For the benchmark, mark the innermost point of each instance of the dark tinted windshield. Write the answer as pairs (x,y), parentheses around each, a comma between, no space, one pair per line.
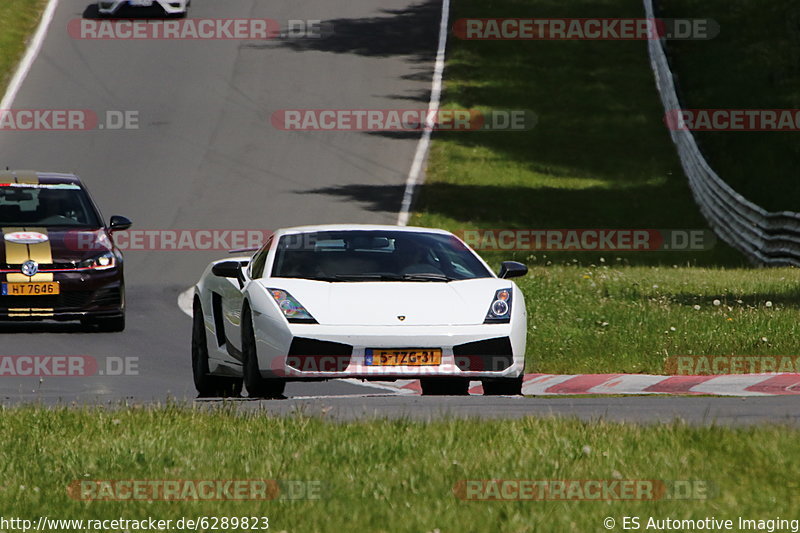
(375,255)
(46,205)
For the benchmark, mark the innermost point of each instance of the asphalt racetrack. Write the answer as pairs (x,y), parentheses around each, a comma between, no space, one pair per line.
(206,156)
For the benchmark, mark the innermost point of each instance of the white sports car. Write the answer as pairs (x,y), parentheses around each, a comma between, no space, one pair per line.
(170,7)
(355,301)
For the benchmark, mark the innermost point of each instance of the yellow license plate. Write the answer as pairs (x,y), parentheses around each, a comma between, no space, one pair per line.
(403,357)
(46,288)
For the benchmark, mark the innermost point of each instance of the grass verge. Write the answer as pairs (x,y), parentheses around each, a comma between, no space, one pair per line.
(387,475)
(601,157)
(605,319)
(18,18)
(754,63)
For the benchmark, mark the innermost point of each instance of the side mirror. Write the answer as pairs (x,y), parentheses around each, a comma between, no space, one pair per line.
(228,269)
(512,269)
(119,223)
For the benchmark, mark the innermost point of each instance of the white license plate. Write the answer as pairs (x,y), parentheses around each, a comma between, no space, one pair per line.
(141,3)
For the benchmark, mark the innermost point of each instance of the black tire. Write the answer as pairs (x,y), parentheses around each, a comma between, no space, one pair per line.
(444,386)
(257,385)
(207,385)
(502,387)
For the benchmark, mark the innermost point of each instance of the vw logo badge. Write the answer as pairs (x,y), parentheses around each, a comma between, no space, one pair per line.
(30,268)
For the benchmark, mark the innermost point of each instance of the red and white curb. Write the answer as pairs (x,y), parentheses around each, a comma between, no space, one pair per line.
(560,385)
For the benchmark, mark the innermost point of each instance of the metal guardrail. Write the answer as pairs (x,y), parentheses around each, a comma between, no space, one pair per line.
(766,238)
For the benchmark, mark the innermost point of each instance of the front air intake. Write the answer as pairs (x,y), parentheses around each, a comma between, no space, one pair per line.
(312,355)
(491,355)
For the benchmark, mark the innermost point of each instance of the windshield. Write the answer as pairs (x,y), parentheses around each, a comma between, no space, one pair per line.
(46,205)
(375,255)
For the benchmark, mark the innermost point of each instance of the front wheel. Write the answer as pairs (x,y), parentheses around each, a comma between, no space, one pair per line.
(207,385)
(257,385)
(444,386)
(502,387)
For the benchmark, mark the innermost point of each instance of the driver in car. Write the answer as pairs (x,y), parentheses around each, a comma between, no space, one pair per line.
(413,258)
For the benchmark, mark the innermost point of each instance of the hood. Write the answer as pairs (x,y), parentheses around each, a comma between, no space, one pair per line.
(48,245)
(464,302)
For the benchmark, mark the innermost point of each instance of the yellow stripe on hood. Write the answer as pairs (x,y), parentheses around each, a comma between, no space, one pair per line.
(16,253)
(41,252)
(27,177)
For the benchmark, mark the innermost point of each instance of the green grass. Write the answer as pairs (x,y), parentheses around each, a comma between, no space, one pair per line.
(601,157)
(754,63)
(386,475)
(607,318)
(18,18)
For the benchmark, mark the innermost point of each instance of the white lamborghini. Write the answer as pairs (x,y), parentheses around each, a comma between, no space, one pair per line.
(355,301)
(169,7)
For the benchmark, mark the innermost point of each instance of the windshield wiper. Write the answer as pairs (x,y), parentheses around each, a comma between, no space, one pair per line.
(422,276)
(426,276)
(368,277)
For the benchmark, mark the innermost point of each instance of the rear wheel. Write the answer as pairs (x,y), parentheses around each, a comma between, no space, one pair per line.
(206,384)
(257,385)
(444,386)
(502,387)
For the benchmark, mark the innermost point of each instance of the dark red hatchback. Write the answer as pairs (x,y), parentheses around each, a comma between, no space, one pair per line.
(58,260)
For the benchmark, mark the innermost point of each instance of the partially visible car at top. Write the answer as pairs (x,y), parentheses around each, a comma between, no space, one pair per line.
(177,8)
(358,301)
(58,260)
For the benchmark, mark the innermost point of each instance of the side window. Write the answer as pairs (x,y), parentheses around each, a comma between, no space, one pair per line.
(260,261)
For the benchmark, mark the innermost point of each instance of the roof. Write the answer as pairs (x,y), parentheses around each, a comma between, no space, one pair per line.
(34,177)
(360,227)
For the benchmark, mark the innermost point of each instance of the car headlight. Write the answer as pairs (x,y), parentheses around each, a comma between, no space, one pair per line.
(101,262)
(500,309)
(291,308)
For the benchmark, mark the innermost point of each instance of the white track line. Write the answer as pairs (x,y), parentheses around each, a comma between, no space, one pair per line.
(422,146)
(386,386)
(34,47)
(433,109)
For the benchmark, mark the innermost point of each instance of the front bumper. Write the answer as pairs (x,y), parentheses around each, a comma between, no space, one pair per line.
(170,7)
(334,352)
(84,294)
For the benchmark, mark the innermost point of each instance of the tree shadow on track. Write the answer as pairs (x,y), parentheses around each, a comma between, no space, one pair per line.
(400,32)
